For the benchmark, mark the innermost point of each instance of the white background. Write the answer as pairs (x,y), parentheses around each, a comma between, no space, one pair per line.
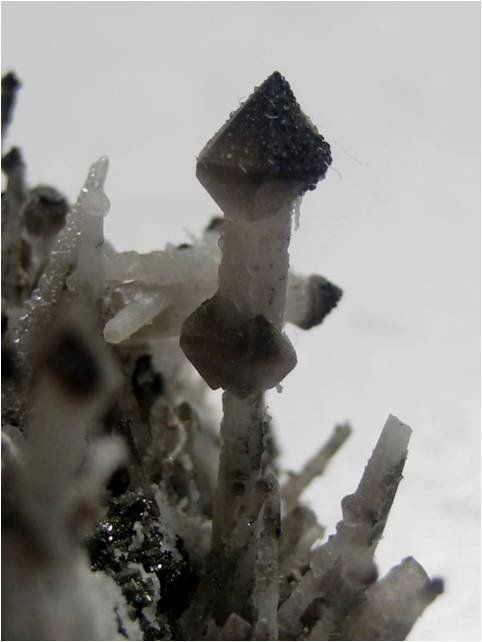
(395,89)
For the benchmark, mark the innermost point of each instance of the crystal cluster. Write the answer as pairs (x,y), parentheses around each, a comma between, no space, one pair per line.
(126,514)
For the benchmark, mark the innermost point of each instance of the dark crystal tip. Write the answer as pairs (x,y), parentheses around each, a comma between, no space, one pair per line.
(268,139)
(10,86)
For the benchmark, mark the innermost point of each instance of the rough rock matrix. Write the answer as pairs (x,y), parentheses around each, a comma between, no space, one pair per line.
(126,513)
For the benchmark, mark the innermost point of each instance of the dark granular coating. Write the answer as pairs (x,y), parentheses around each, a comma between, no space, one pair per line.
(4,324)
(436,586)
(9,363)
(12,161)
(147,384)
(324,296)
(215,224)
(119,481)
(115,549)
(10,86)
(45,211)
(73,364)
(270,137)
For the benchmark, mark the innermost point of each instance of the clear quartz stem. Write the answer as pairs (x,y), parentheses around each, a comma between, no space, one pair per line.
(253,275)
(242,431)
(92,205)
(266,593)
(364,516)
(254,265)
(79,244)
(392,605)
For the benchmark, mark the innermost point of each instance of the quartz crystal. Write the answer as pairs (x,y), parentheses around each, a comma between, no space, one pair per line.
(126,513)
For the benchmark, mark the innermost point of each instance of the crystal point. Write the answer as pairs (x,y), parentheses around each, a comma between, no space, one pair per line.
(267,153)
(235,352)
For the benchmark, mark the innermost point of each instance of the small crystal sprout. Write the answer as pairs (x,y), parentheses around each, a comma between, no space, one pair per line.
(126,515)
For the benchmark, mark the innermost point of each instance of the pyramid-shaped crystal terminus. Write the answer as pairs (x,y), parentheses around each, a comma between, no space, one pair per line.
(266,155)
(234,352)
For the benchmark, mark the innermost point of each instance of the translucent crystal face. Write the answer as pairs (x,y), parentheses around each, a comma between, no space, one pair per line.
(266,155)
(234,352)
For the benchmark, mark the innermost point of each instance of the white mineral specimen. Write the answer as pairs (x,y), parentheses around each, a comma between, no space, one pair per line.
(183,278)
(76,262)
(299,532)
(91,207)
(135,315)
(341,569)
(125,515)
(49,505)
(265,594)
(393,604)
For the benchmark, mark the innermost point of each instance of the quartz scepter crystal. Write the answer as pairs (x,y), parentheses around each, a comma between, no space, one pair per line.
(91,207)
(257,168)
(117,522)
(76,266)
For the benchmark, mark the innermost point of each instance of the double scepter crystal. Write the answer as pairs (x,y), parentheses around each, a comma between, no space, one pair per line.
(256,168)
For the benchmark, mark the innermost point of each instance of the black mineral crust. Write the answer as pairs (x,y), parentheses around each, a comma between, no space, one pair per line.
(45,211)
(324,297)
(10,86)
(271,137)
(71,361)
(134,562)
(268,139)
